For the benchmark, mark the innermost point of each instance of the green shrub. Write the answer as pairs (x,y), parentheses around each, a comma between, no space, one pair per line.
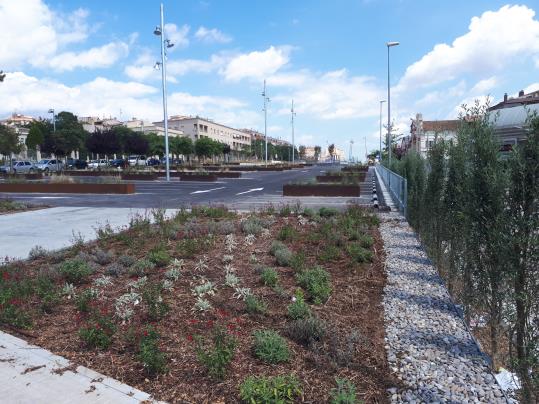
(269,277)
(317,283)
(84,300)
(141,267)
(98,333)
(75,271)
(284,257)
(270,390)
(159,256)
(329,253)
(252,225)
(285,211)
(270,347)
(149,354)
(306,330)
(13,314)
(151,296)
(287,233)
(297,263)
(366,241)
(328,212)
(48,292)
(344,393)
(276,246)
(358,253)
(213,212)
(255,305)
(308,212)
(189,247)
(217,355)
(298,308)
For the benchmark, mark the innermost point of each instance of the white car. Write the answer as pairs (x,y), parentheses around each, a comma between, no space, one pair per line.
(137,160)
(94,164)
(50,165)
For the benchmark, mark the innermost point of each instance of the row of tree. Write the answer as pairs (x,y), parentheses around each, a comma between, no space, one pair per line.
(477,212)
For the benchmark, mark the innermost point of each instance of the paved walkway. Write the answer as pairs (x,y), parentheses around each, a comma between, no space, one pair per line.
(55,228)
(32,375)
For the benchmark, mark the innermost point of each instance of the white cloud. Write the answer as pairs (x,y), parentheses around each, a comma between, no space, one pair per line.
(212,35)
(104,97)
(178,36)
(98,57)
(494,40)
(484,86)
(256,65)
(531,88)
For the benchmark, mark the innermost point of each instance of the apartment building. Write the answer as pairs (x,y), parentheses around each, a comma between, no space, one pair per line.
(423,134)
(139,125)
(255,135)
(197,127)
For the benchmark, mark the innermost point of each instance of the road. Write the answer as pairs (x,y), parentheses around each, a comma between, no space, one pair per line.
(252,190)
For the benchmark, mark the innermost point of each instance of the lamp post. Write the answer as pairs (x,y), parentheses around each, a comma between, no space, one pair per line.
(380,153)
(266,100)
(389,45)
(51,111)
(165,44)
(293,143)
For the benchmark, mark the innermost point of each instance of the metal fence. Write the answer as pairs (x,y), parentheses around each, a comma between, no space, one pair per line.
(397,186)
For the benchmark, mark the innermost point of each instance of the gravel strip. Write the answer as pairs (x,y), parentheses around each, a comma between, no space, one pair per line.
(428,346)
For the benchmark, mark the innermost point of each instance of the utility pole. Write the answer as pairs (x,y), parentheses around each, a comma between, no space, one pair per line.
(165,43)
(389,139)
(293,143)
(380,150)
(366,152)
(266,100)
(350,152)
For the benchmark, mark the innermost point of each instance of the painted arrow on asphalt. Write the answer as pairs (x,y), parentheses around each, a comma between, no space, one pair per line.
(207,190)
(251,190)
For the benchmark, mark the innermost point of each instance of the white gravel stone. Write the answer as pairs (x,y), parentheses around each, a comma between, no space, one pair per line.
(428,346)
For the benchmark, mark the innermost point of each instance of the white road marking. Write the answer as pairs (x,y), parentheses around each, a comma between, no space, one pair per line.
(207,190)
(251,190)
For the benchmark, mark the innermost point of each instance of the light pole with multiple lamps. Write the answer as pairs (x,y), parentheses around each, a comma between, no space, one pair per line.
(165,44)
(380,152)
(389,139)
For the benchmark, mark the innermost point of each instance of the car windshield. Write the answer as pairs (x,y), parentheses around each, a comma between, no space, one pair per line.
(43,162)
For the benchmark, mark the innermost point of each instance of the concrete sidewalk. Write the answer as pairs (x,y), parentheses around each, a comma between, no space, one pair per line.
(55,228)
(33,375)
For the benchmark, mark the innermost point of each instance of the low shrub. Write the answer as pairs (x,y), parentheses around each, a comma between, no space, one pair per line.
(13,314)
(306,330)
(366,241)
(359,254)
(276,246)
(149,354)
(151,296)
(75,271)
(252,225)
(255,305)
(270,347)
(277,389)
(285,211)
(308,212)
(102,257)
(213,212)
(329,253)
(269,277)
(84,300)
(287,233)
(189,247)
(344,393)
(298,261)
(37,252)
(99,332)
(141,267)
(317,283)
(217,354)
(48,293)
(159,256)
(284,257)
(298,308)
(327,212)
(114,269)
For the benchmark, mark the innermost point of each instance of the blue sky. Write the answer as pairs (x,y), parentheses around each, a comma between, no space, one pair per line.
(96,58)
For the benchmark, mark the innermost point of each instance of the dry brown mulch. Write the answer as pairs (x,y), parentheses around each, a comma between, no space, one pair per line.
(355,305)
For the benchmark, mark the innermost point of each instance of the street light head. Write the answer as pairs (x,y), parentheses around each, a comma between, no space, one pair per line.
(51,111)
(389,44)
(169,44)
(382,101)
(157,31)
(157,65)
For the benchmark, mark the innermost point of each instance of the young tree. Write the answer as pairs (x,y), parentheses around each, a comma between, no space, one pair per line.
(317,151)
(204,147)
(523,258)
(104,142)
(156,144)
(36,135)
(135,143)
(9,142)
(182,145)
(302,150)
(331,151)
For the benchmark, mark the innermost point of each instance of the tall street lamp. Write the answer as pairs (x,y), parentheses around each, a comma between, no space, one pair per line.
(165,44)
(266,100)
(293,143)
(51,111)
(380,150)
(389,139)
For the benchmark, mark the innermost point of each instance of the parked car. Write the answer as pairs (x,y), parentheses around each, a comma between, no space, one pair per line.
(171,161)
(152,162)
(47,165)
(118,163)
(78,164)
(137,160)
(21,167)
(94,164)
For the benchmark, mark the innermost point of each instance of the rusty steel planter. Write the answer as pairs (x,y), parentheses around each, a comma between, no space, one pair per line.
(227,174)
(196,177)
(355,169)
(27,176)
(340,178)
(43,187)
(138,177)
(320,190)
(83,173)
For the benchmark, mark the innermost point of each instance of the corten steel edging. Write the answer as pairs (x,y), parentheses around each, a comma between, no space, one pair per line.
(340,178)
(68,188)
(207,178)
(139,177)
(321,190)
